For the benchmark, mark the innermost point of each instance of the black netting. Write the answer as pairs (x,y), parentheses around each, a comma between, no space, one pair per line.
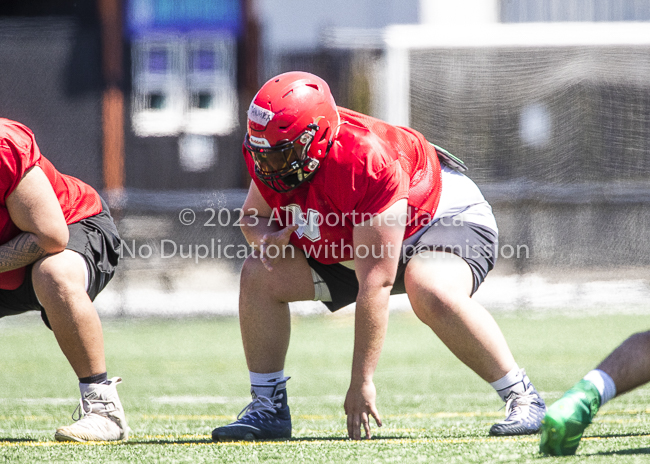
(595,103)
(558,138)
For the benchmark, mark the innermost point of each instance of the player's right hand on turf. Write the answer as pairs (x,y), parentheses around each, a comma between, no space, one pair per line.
(359,407)
(272,245)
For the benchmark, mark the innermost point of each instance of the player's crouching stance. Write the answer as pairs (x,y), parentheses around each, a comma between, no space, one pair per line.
(371,206)
(59,249)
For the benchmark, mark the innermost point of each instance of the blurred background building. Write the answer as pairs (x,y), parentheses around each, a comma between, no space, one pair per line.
(547,101)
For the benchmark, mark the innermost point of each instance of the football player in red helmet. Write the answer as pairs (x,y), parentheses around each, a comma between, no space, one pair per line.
(345,208)
(291,124)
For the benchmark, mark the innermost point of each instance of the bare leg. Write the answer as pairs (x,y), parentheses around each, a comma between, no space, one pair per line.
(629,364)
(439,286)
(264,310)
(59,284)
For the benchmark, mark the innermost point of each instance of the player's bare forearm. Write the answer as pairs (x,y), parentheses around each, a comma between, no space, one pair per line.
(371,323)
(22,250)
(255,227)
(256,217)
(267,239)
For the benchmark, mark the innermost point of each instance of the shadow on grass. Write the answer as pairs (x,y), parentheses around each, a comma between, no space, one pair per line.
(291,440)
(203,441)
(625,452)
(631,451)
(18,440)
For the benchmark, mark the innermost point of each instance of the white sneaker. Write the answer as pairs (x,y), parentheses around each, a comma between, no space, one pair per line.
(100,416)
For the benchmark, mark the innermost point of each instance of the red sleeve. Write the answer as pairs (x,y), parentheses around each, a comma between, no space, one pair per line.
(382,190)
(18,153)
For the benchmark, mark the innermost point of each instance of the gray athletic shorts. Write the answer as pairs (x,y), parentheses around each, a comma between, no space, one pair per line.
(476,244)
(96,239)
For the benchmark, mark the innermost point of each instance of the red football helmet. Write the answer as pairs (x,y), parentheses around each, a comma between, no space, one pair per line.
(291,124)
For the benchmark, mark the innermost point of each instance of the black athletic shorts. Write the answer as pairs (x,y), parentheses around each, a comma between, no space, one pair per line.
(97,240)
(476,244)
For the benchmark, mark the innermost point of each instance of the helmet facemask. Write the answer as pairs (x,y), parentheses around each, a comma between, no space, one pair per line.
(286,165)
(290,126)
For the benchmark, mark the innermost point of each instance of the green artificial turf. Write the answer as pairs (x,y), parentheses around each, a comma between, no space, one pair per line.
(183,377)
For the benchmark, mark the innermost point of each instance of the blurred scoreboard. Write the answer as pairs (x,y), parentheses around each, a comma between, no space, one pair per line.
(184,66)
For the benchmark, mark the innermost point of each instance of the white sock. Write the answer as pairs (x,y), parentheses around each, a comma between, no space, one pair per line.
(515,380)
(604,383)
(84,387)
(264,384)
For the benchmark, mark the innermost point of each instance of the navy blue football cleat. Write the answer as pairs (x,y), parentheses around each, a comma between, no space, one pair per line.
(263,419)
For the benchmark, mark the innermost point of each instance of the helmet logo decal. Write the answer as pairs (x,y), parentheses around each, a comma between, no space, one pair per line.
(259,115)
(259,141)
(296,114)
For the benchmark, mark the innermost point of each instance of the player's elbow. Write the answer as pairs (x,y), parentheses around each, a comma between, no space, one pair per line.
(54,241)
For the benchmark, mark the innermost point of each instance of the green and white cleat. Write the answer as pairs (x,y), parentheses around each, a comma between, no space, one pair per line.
(567,418)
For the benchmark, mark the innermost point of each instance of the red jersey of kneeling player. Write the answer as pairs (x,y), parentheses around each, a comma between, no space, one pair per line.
(18,154)
(370,166)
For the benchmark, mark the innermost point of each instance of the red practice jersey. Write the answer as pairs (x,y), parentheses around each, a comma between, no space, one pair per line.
(370,166)
(18,154)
